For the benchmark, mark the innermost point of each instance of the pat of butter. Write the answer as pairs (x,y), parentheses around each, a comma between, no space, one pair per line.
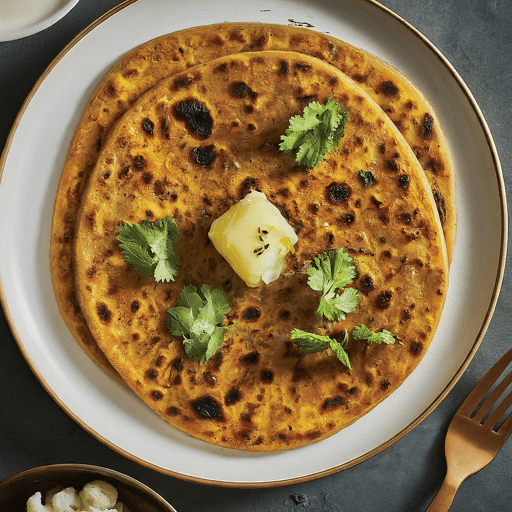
(254,238)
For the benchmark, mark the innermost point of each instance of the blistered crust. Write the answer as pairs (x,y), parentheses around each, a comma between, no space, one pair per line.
(257,392)
(151,62)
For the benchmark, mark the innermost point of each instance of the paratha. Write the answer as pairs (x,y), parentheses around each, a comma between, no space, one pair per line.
(151,62)
(192,147)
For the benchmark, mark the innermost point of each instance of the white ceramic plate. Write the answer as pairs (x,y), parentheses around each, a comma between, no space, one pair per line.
(32,164)
(22,18)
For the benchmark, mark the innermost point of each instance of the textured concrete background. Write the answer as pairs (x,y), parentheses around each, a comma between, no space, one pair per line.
(476,37)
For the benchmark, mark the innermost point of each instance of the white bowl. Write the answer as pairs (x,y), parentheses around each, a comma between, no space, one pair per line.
(22,18)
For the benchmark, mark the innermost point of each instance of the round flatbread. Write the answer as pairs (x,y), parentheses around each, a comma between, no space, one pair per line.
(149,63)
(191,148)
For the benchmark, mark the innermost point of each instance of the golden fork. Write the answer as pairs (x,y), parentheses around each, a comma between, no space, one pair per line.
(474,437)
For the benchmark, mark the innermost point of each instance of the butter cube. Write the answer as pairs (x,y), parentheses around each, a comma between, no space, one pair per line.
(254,238)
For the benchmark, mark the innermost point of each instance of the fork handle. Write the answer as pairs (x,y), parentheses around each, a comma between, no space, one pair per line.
(444,497)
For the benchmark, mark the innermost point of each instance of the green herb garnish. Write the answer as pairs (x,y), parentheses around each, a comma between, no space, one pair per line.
(365,334)
(197,317)
(368,178)
(329,273)
(315,133)
(147,244)
(308,343)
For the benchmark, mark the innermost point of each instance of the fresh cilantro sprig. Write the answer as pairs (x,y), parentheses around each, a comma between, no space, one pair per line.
(197,317)
(362,333)
(149,245)
(315,133)
(330,272)
(308,343)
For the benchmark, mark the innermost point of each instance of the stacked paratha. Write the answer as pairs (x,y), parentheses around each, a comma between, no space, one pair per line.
(257,392)
(151,62)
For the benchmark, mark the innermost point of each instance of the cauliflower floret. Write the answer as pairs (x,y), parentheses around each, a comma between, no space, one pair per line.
(66,500)
(34,504)
(52,492)
(98,494)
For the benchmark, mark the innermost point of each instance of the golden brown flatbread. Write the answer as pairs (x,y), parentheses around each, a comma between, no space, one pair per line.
(257,392)
(149,63)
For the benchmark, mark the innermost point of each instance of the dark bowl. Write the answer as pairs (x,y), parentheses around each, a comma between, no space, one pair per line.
(17,489)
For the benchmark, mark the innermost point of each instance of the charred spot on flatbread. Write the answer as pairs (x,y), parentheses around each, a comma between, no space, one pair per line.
(196,116)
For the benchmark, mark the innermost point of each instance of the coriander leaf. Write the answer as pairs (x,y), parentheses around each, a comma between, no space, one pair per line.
(368,178)
(138,256)
(315,133)
(196,347)
(327,308)
(166,267)
(341,353)
(196,318)
(328,273)
(308,343)
(347,301)
(343,268)
(162,236)
(190,298)
(215,342)
(205,320)
(179,320)
(135,233)
(363,333)
(218,301)
(334,306)
(202,347)
(149,246)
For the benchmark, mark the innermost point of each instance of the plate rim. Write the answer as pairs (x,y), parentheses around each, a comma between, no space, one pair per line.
(500,270)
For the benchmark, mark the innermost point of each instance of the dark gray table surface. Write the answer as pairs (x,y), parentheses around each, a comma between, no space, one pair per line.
(476,37)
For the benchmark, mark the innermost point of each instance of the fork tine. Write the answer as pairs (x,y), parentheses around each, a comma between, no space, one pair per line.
(493,397)
(500,411)
(506,427)
(473,399)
